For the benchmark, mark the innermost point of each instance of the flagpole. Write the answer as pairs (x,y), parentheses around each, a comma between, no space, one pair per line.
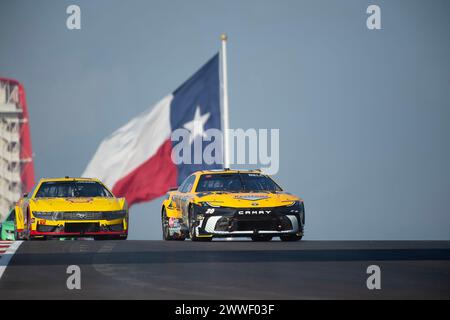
(226,124)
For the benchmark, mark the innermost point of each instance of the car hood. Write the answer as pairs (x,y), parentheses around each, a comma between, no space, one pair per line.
(77,204)
(245,200)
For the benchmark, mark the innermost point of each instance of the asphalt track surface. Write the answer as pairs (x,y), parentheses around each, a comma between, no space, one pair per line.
(228,270)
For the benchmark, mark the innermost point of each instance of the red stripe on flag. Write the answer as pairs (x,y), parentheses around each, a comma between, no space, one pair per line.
(151,179)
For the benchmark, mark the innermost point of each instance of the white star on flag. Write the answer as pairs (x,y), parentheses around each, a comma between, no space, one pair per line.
(196,125)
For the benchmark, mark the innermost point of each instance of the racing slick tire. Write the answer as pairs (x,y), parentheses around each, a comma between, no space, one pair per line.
(291,237)
(261,238)
(17,236)
(165,228)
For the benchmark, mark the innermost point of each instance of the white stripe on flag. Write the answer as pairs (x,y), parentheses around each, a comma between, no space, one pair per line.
(131,145)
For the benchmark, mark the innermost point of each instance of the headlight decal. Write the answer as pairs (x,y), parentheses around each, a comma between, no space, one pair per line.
(81,215)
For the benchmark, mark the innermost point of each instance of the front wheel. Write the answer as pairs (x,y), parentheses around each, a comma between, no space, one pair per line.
(291,237)
(165,228)
(16,235)
(192,232)
(194,237)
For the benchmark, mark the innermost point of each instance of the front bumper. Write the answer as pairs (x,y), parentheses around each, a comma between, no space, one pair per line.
(76,228)
(238,222)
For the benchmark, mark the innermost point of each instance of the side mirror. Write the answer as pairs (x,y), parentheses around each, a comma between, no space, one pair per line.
(25,195)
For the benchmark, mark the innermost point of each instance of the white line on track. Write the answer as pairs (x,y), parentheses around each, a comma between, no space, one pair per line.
(7,255)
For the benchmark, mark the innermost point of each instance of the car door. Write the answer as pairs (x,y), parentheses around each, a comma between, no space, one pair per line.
(184,196)
(176,198)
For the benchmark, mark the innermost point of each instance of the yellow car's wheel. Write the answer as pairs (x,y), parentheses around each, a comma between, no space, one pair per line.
(192,225)
(165,228)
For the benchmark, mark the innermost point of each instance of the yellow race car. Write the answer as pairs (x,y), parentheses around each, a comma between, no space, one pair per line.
(231,203)
(71,207)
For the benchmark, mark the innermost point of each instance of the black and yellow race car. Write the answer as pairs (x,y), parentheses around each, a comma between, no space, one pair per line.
(231,203)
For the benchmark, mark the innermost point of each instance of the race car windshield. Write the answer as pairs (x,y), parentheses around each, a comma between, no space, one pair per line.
(72,189)
(236,182)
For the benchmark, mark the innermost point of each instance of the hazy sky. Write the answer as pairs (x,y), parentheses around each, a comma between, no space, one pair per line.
(364,116)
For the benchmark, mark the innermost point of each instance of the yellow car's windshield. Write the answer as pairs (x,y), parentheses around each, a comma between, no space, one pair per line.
(236,182)
(72,189)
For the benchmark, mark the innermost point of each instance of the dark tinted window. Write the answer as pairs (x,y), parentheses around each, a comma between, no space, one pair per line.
(236,182)
(72,189)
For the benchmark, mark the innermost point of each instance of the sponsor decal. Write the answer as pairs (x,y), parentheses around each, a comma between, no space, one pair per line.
(254,212)
(252,197)
(80,200)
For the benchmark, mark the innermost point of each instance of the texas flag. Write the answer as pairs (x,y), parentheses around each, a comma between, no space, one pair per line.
(135,161)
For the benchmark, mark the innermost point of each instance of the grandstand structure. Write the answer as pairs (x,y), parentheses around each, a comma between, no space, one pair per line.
(16,156)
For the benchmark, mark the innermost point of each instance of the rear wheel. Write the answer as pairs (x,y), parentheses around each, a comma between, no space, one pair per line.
(261,238)
(291,237)
(165,228)
(16,235)
(27,230)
